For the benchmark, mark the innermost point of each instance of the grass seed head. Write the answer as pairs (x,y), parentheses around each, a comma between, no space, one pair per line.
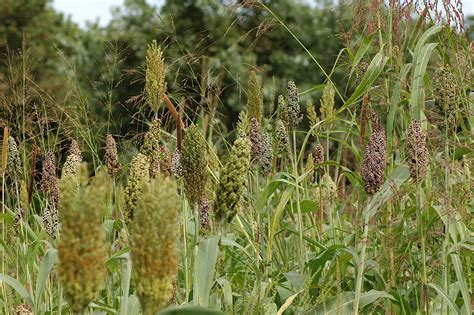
(176,167)
(73,160)
(282,137)
(194,162)
(204,213)
(256,140)
(266,158)
(318,155)
(165,161)
(49,181)
(81,246)
(151,147)
(155,84)
(374,161)
(155,230)
(327,102)
(255,98)
(446,90)
(416,151)
(14,168)
(138,174)
(294,113)
(232,181)
(111,156)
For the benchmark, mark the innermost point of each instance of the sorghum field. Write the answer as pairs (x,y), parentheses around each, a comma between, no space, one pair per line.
(349,197)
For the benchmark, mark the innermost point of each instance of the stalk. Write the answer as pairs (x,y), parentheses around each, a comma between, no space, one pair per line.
(196,251)
(423,250)
(298,208)
(361,266)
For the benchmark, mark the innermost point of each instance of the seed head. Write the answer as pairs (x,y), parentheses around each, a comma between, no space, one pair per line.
(327,102)
(14,163)
(111,156)
(165,161)
(232,180)
(176,167)
(51,219)
(416,151)
(294,114)
(283,107)
(155,231)
(361,71)
(22,309)
(194,162)
(318,155)
(281,137)
(49,181)
(374,162)
(73,160)
(446,90)
(256,140)
(267,154)
(138,174)
(255,98)
(151,147)
(204,214)
(155,84)
(81,247)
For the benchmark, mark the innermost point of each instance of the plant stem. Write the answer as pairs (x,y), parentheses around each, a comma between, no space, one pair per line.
(298,207)
(196,251)
(361,266)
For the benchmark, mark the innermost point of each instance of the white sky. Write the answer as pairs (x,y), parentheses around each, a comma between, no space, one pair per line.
(92,10)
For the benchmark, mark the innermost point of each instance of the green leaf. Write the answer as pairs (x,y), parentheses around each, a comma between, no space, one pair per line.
(206,263)
(462,282)
(19,288)
(373,71)
(46,266)
(445,297)
(420,63)
(307,206)
(396,179)
(364,46)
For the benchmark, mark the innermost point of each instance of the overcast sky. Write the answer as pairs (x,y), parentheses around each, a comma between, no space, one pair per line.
(92,10)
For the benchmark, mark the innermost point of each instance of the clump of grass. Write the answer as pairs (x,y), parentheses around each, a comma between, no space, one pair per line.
(154,234)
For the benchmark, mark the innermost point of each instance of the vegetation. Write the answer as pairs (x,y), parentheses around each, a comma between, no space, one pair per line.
(343,186)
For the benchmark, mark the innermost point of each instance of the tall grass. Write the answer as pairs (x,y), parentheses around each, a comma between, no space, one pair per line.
(349,209)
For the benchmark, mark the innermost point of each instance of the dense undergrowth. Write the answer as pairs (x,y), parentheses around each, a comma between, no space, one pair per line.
(359,203)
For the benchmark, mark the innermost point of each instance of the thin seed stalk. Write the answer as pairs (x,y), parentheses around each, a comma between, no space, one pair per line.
(186,265)
(423,250)
(361,266)
(197,223)
(298,207)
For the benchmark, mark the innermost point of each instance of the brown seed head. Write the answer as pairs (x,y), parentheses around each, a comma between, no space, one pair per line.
(416,151)
(111,156)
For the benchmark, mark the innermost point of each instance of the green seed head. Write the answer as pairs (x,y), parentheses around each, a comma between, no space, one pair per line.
(255,98)
(151,147)
(81,246)
(232,181)
(155,84)
(14,168)
(138,174)
(155,230)
(327,102)
(194,163)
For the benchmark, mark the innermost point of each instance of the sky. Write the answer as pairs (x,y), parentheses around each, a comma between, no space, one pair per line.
(82,11)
